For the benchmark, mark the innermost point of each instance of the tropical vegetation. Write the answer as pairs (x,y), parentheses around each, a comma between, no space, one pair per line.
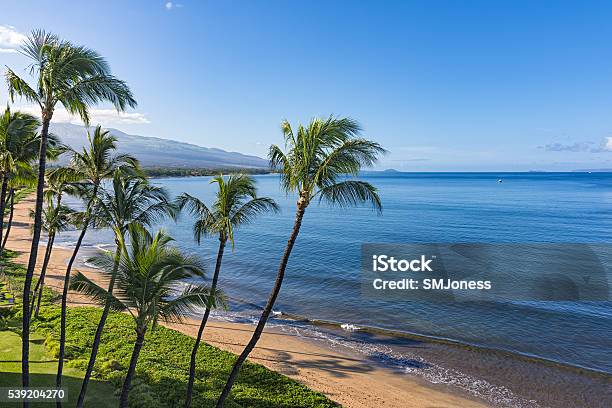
(163,364)
(75,77)
(97,162)
(131,200)
(315,165)
(236,203)
(147,279)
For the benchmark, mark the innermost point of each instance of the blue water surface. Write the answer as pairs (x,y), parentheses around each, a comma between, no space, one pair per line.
(323,278)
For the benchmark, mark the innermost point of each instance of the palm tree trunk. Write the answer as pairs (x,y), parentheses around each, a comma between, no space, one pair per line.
(99,329)
(41,281)
(10,220)
(25,324)
(301,208)
(194,352)
(43,273)
(123,400)
(60,363)
(3,205)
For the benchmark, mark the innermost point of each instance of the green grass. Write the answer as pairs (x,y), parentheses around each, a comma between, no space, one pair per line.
(42,372)
(161,374)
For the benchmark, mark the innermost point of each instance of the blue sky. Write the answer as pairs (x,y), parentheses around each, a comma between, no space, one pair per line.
(459,86)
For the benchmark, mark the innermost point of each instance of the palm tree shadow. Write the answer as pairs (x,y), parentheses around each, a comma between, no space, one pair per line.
(338,367)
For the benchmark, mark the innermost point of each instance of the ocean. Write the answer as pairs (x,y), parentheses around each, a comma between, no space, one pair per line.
(322,288)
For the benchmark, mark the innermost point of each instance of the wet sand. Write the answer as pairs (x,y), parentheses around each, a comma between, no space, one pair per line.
(351,380)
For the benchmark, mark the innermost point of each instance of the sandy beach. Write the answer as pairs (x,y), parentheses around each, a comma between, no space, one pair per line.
(350,381)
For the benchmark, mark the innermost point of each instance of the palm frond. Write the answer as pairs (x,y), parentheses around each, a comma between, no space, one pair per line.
(97,294)
(350,193)
(17,86)
(252,208)
(189,300)
(317,156)
(73,75)
(96,89)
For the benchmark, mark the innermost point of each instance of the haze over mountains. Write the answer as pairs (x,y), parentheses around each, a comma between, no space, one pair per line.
(157,152)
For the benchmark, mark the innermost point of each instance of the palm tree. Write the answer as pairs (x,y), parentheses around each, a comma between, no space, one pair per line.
(56,218)
(146,278)
(77,78)
(132,200)
(96,162)
(11,204)
(316,164)
(236,203)
(24,178)
(24,174)
(17,148)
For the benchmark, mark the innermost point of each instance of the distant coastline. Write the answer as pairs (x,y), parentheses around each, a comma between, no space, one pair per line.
(179,172)
(159,172)
(163,172)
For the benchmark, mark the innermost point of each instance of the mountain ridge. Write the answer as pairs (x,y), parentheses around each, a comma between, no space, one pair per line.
(161,152)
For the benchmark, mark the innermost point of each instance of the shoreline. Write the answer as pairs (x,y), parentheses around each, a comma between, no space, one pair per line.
(454,343)
(392,367)
(340,376)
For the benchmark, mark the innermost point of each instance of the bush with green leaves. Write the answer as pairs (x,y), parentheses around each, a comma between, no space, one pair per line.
(164,363)
(162,371)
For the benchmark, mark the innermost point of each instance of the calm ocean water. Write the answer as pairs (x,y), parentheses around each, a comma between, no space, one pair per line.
(322,280)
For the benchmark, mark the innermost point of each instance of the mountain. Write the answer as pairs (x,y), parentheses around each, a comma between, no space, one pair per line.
(157,152)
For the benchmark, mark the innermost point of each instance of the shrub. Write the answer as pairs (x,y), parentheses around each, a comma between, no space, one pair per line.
(161,374)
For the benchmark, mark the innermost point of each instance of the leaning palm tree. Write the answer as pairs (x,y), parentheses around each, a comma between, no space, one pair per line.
(24,174)
(316,164)
(24,178)
(236,204)
(146,280)
(17,148)
(77,78)
(56,218)
(97,161)
(10,202)
(130,200)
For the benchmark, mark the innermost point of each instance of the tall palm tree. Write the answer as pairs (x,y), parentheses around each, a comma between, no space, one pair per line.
(24,178)
(145,286)
(97,161)
(236,204)
(316,163)
(24,173)
(77,78)
(10,201)
(56,218)
(130,200)
(17,148)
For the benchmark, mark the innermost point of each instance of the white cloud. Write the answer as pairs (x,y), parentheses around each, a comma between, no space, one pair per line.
(105,117)
(604,146)
(170,5)
(10,39)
